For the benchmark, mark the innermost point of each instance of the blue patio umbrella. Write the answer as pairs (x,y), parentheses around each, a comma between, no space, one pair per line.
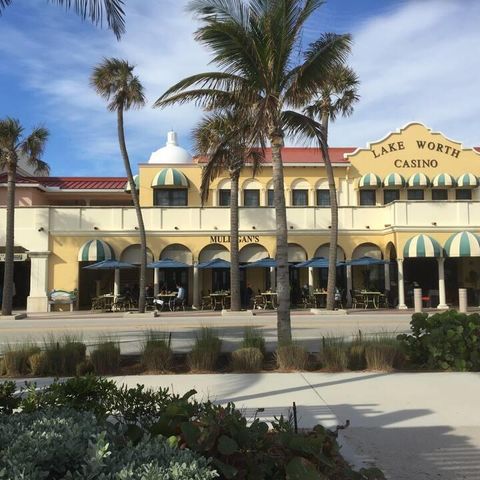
(366,261)
(110,265)
(317,262)
(263,263)
(168,263)
(215,263)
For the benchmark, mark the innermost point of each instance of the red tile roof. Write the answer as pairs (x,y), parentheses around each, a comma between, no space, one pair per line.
(73,183)
(303,155)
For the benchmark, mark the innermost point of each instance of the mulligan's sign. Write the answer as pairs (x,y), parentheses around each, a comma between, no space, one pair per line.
(241,239)
(421,146)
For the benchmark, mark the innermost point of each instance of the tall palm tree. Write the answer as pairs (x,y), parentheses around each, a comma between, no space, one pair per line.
(113,80)
(13,145)
(222,137)
(257,45)
(94,10)
(338,93)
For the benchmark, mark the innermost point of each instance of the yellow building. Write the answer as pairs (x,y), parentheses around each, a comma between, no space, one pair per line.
(411,198)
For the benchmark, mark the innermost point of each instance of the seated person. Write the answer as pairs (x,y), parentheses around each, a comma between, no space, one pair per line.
(180,298)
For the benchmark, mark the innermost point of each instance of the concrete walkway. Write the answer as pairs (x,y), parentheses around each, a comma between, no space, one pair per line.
(415,426)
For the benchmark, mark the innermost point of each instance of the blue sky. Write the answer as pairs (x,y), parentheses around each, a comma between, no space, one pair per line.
(417,60)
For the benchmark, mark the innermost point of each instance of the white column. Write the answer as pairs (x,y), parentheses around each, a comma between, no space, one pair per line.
(311,278)
(214,196)
(311,197)
(273,284)
(349,285)
(156,281)
(196,287)
(37,301)
(401,287)
(116,283)
(387,276)
(441,284)
(288,200)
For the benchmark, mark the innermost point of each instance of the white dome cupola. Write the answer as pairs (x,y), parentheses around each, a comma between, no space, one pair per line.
(171,152)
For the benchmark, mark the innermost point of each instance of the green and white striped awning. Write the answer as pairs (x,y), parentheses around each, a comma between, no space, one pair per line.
(394,180)
(422,246)
(463,244)
(95,251)
(443,180)
(467,180)
(170,177)
(370,180)
(418,180)
(136,180)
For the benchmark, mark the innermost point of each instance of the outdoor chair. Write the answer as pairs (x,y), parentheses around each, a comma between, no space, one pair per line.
(258,302)
(358,300)
(206,302)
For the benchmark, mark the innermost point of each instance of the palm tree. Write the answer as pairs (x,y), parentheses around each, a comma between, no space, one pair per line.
(12,146)
(222,138)
(257,45)
(338,92)
(113,80)
(94,10)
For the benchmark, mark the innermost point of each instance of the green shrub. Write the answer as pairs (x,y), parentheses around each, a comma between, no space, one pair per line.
(8,400)
(334,354)
(156,353)
(292,357)
(16,359)
(106,358)
(445,341)
(252,338)
(247,359)
(58,443)
(206,350)
(381,353)
(356,356)
(63,355)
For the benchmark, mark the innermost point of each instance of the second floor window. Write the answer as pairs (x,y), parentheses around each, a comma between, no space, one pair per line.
(224,197)
(251,198)
(171,197)
(270,198)
(463,194)
(368,197)
(390,196)
(299,198)
(415,194)
(323,197)
(439,194)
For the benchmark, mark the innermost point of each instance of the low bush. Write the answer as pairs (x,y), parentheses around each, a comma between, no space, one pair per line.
(16,359)
(252,338)
(85,368)
(62,355)
(8,400)
(445,341)
(38,363)
(247,359)
(382,353)
(156,353)
(3,369)
(356,356)
(334,354)
(292,357)
(105,358)
(206,350)
(59,443)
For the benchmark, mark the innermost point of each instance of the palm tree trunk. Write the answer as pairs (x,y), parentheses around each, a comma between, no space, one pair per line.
(138,211)
(235,305)
(9,241)
(284,328)
(332,252)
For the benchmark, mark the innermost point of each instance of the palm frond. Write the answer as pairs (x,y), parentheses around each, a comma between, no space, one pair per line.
(97,11)
(33,147)
(10,133)
(4,4)
(303,128)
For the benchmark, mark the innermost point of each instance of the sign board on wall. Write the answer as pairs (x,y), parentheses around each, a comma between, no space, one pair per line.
(241,239)
(17,257)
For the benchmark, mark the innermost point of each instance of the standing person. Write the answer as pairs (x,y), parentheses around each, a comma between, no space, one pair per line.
(248,296)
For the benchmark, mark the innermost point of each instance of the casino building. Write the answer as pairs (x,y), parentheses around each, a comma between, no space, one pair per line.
(411,198)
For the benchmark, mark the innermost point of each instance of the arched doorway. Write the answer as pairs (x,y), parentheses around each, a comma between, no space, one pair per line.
(368,277)
(322,274)
(169,278)
(257,278)
(297,276)
(214,279)
(21,276)
(129,279)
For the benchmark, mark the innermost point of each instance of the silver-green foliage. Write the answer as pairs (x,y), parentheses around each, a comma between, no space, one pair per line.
(72,445)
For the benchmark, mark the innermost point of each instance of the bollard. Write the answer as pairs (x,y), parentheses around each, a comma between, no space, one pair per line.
(417,300)
(462,300)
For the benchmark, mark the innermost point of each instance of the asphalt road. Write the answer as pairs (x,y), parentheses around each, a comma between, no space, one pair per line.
(307,328)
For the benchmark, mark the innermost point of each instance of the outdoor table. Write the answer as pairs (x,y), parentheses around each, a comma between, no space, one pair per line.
(103,302)
(168,299)
(218,300)
(270,300)
(371,298)
(320,298)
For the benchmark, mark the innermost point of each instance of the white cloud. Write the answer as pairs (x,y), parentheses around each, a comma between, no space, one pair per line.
(418,62)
